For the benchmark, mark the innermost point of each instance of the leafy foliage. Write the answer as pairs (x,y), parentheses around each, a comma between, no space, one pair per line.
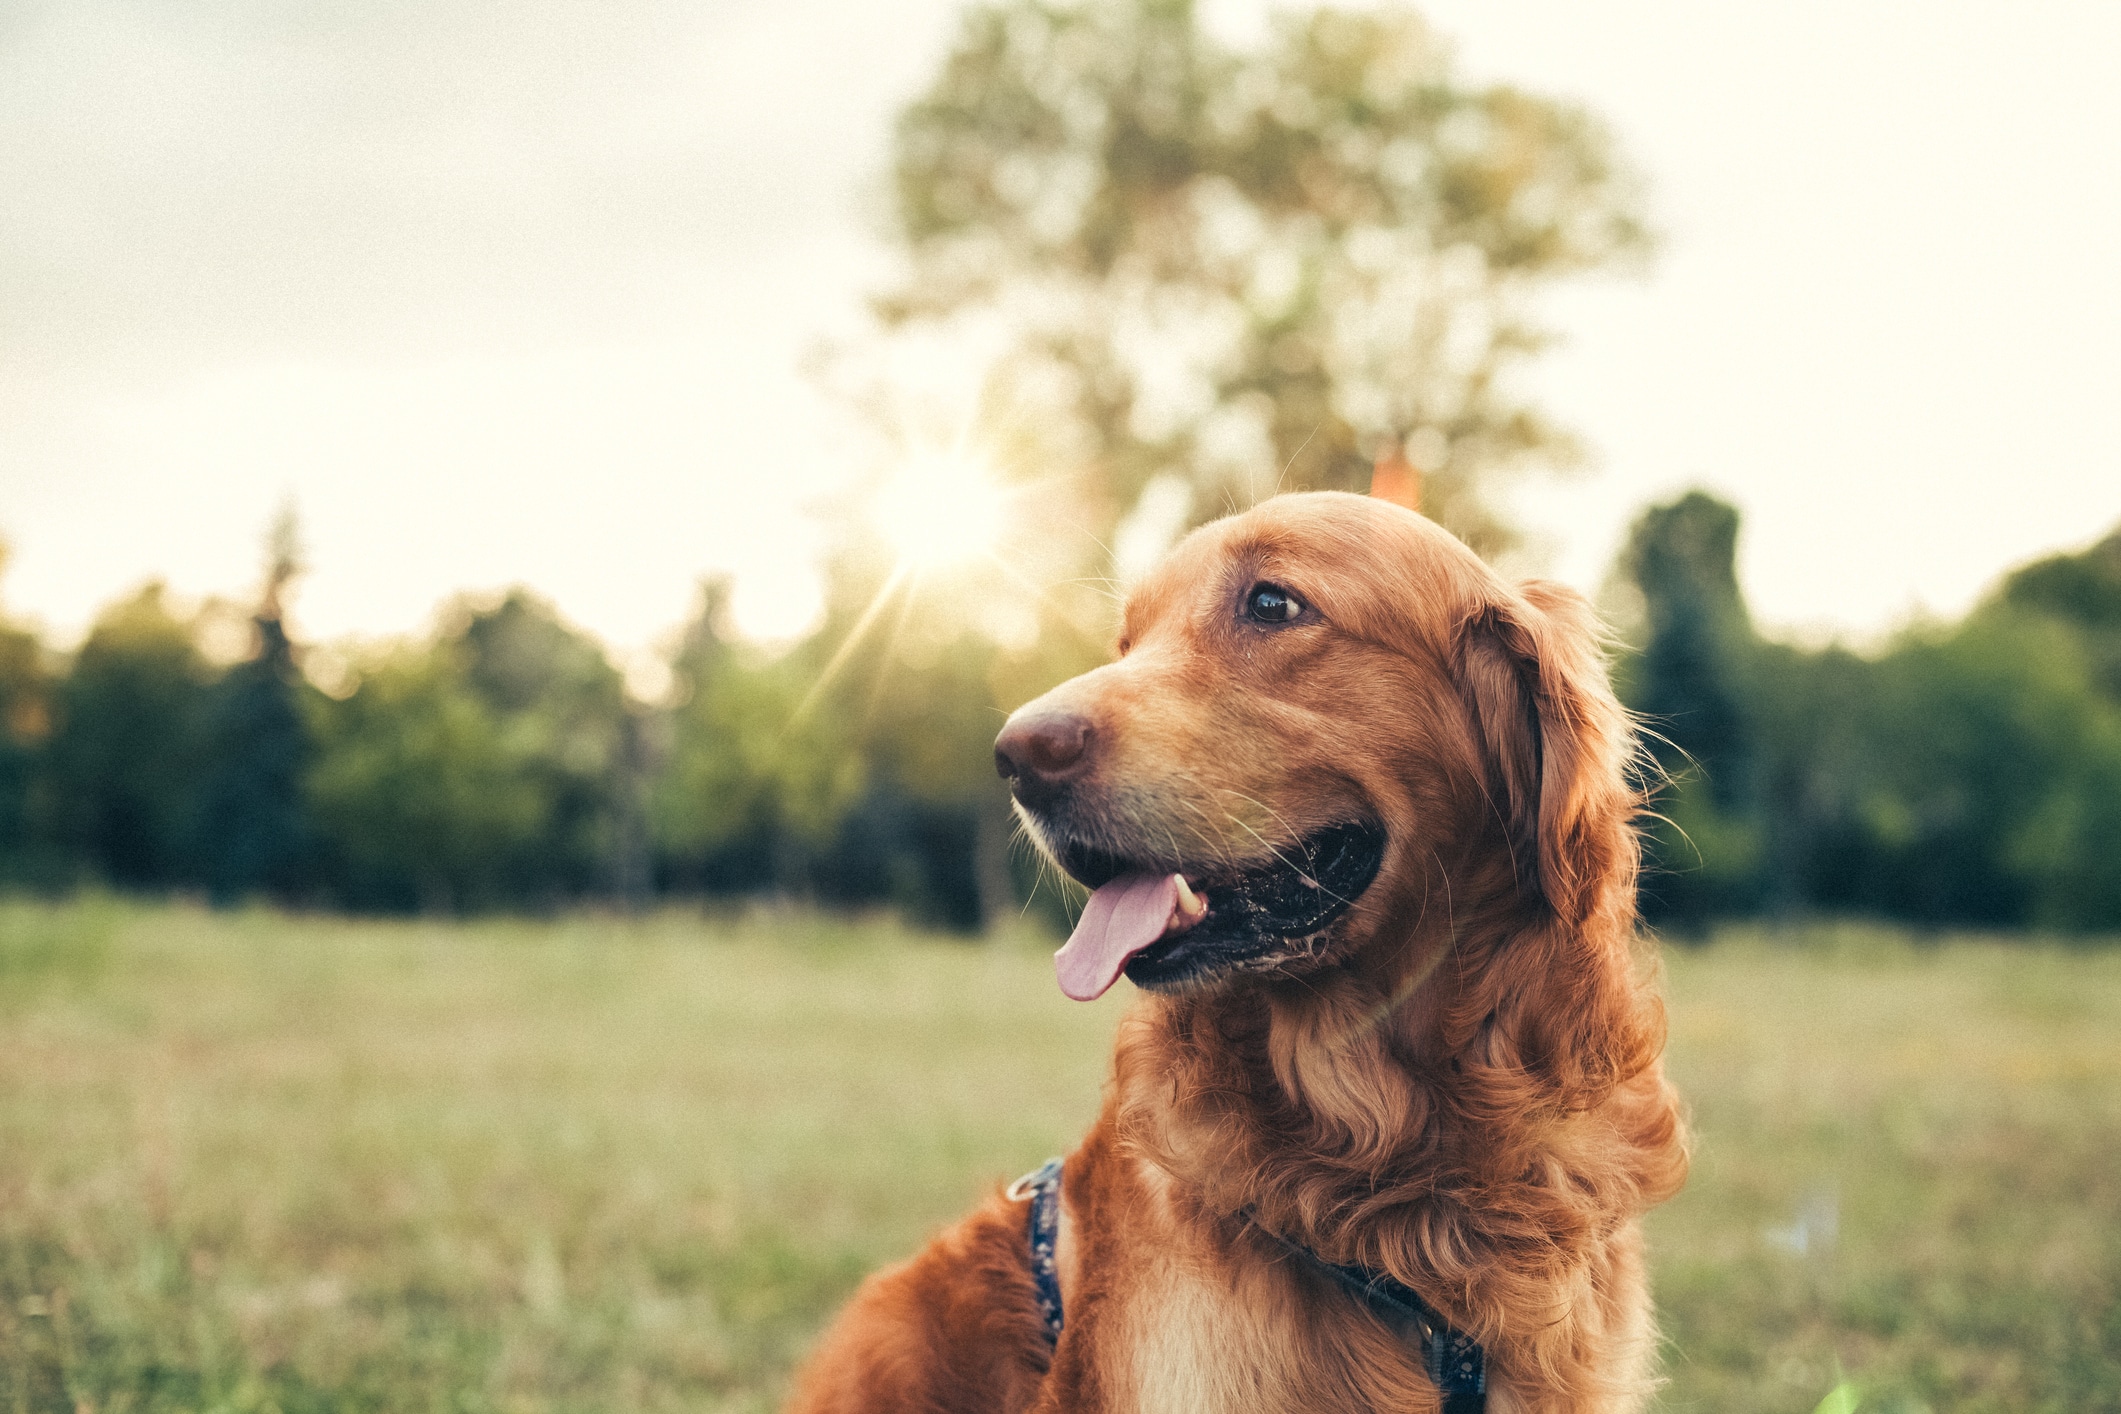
(25,724)
(126,752)
(2083,590)
(426,795)
(752,784)
(1969,773)
(485,768)
(1252,268)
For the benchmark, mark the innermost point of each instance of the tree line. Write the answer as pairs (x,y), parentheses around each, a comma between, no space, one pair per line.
(1968,773)
(498,762)
(1201,271)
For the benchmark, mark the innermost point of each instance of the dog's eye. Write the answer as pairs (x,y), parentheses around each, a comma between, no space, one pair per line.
(1271,604)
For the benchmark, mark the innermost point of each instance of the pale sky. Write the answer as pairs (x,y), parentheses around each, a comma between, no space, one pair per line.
(522,291)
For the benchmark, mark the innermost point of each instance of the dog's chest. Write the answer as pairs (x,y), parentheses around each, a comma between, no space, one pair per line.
(1194,1347)
(1212,1338)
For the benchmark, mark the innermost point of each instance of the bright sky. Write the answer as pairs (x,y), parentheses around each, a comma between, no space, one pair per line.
(522,292)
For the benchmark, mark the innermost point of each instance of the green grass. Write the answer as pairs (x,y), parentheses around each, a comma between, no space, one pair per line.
(1908,1166)
(250,1162)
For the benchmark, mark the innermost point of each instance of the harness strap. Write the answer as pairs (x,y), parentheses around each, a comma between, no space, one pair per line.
(1042,1187)
(1453,1359)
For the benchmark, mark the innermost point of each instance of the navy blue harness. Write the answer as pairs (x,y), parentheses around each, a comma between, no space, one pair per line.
(1042,1187)
(1453,1359)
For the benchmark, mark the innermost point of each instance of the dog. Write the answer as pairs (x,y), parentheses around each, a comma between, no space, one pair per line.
(1360,822)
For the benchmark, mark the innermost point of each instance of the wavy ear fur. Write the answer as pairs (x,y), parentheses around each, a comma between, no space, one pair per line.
(1561,995)
(1555,741)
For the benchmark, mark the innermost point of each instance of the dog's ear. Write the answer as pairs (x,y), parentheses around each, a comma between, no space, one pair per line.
(1554,740)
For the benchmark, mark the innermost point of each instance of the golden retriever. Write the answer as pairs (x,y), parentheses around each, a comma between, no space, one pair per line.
(1359,819)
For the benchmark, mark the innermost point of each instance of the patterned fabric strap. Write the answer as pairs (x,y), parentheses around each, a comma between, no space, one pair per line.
(1042,1186)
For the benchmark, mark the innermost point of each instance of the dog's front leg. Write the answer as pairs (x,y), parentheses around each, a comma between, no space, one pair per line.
(954,1330)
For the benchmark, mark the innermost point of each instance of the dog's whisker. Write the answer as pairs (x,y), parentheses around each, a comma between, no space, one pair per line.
(1308,868)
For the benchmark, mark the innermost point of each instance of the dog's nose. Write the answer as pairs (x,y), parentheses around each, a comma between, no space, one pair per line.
(1038,755)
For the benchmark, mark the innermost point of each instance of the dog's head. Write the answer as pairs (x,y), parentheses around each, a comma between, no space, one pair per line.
(1327,720)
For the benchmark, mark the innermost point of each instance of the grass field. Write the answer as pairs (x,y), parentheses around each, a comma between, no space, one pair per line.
(252,1163)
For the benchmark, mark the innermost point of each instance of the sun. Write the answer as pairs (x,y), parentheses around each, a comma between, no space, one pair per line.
(940,509)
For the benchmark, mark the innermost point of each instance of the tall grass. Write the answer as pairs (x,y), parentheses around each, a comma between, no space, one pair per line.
(250,1162)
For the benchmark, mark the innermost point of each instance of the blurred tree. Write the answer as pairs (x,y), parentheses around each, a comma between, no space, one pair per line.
(1258,270)
(254,833)
(1969,773)
(1689,679)
(2083,590)
(126,758)
(557,694)
(423,797)
(488,767)
(930,833)
(2071,848)
(1987,793)
(751,787)
(1690,682)
(1813,720)
(25,726)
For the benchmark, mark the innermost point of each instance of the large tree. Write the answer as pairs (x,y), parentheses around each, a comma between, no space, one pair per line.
(1250,269)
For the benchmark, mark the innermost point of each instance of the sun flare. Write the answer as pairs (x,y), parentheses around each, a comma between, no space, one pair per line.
(941,508)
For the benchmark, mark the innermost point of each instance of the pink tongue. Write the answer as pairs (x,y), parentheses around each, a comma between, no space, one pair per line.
(1124,916)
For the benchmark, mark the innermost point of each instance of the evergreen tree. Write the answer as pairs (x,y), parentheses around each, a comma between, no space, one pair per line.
(1690,682)
(254,830)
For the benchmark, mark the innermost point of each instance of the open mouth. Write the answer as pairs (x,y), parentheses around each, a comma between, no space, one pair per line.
(1165,928)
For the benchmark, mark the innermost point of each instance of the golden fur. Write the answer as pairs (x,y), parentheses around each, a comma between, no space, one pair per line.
(1460,1085)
